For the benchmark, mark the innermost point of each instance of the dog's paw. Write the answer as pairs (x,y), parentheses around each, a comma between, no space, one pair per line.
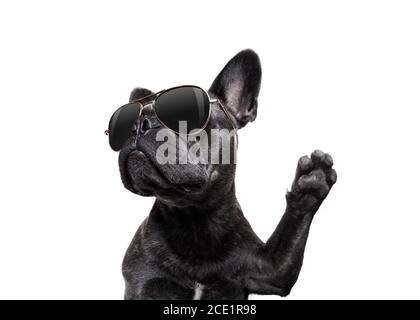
(313,181)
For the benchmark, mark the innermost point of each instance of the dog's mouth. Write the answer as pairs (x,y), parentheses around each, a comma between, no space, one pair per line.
(147,177)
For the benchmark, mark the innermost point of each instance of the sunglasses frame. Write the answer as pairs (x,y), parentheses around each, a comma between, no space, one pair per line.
(161,92)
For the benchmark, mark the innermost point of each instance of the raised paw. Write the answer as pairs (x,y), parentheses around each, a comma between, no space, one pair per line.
(313,181)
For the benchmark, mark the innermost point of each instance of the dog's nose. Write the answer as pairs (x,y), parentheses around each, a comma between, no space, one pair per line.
(145,125)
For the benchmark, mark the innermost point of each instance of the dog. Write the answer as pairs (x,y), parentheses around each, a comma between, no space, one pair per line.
(196,243)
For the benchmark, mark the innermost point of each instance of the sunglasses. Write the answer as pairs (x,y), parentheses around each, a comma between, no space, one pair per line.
(189,104)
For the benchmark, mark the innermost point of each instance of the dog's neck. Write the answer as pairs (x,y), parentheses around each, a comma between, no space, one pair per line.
(202,231)
(205,209)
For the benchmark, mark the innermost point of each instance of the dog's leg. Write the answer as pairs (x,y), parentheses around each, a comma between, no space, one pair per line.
(278,264)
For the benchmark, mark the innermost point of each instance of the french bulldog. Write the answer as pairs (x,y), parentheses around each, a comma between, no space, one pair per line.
(196,242)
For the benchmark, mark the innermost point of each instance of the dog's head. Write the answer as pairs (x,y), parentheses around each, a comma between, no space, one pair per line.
(183,184)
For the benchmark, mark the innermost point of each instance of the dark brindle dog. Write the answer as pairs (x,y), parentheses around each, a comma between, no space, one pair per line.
(196,243)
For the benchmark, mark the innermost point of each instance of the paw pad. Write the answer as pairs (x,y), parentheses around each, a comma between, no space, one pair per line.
(314,175)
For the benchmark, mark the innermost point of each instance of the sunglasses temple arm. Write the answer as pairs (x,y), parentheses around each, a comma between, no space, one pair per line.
(225,112)
(138,127)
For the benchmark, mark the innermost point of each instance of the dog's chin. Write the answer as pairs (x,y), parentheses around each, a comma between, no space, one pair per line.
(147,178)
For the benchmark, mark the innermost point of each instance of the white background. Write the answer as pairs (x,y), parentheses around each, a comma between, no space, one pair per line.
(341,76)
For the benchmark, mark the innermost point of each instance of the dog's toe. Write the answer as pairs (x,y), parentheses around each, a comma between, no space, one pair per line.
(328,161)
(332,177)
(317,157)
(305,165)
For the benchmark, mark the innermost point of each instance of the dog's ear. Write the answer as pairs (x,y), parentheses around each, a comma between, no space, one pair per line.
(139,93)
(237,86)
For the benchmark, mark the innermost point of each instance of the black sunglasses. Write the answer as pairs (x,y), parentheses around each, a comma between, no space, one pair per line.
(184,103)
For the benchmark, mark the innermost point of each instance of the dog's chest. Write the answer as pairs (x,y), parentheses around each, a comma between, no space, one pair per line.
(198,291)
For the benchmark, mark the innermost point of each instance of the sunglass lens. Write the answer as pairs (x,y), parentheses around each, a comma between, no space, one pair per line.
(188,104)
(121,123)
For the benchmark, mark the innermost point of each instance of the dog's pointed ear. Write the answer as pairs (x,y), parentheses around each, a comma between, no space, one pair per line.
(139,93)
(237,86)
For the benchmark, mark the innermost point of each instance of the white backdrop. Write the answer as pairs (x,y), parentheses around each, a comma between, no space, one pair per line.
(340,76)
